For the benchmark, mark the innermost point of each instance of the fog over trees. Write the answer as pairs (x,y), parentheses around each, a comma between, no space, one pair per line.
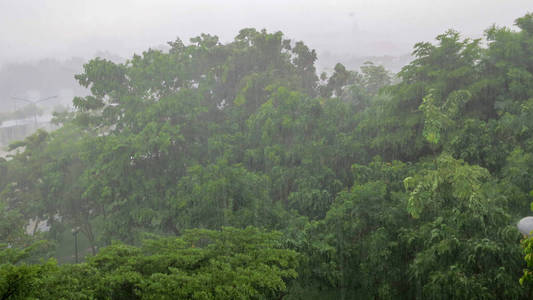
(250,168)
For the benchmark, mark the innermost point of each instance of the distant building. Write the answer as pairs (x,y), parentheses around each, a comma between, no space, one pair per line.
(15,130)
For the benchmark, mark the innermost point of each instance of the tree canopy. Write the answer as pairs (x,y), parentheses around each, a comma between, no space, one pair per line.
(234,171)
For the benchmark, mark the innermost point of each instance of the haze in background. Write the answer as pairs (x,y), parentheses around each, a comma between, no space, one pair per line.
(32,30)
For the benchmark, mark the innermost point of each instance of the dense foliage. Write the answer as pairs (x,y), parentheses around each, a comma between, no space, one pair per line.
(201,264)
(234,171)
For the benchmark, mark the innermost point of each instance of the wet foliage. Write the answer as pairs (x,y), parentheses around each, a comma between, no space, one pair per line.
(234,171)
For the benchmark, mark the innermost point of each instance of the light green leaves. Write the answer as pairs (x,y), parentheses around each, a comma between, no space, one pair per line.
(440,119)
(452,184)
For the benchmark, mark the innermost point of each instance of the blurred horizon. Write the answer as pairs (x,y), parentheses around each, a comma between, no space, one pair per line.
(32,31)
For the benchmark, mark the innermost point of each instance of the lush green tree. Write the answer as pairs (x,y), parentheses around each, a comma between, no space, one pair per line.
(462,245)
(385,191)
(201,264)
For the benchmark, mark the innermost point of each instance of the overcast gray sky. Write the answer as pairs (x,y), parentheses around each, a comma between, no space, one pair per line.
(34,29)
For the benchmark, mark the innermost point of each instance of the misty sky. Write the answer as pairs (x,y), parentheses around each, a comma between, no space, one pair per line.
(35,29)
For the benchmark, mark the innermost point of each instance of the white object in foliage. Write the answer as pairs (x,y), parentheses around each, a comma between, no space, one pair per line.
(525,226)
